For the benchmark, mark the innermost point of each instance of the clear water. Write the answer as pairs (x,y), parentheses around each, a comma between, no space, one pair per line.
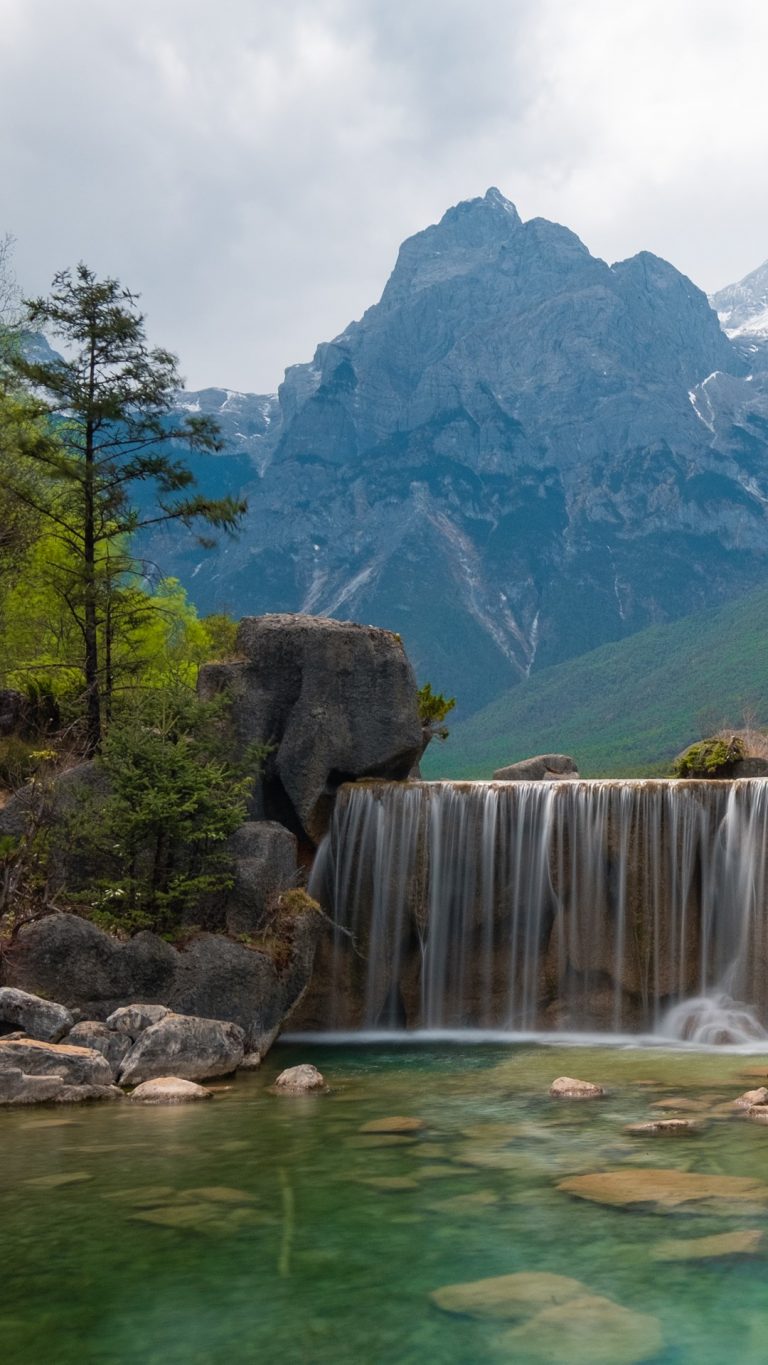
(241,1230)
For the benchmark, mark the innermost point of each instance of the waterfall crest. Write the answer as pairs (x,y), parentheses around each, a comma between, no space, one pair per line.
(526,905)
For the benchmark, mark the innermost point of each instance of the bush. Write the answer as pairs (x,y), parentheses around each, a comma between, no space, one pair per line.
(157,843)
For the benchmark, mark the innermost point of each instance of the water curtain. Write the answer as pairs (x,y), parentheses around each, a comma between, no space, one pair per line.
(612,905)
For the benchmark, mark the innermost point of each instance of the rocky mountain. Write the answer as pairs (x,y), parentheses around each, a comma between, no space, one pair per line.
(743,312)
(519,453)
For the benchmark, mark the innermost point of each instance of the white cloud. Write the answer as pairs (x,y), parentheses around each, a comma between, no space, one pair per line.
(252,167)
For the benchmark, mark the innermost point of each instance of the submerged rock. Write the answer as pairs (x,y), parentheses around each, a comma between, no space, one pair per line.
(660,1189)
(568,1088)
(299,1080)
(507,1297)
(743,1242)
(589,1330)
(41,1019)
(170,1090)
(394,1125)
(184,1046)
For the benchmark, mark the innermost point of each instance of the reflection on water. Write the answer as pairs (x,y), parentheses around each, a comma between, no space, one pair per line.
(266,1228)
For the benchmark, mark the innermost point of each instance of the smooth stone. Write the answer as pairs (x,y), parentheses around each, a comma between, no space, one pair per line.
(758,1113)
(585,1331)
(507,1297)
(299,1080)
(134,1019)
(435,1172)
(41,1019)
(393,1125)
(667,1189)
(428,1151)
(666,1128)
(169,1090)
(568,1088)
(745,1242)
(251,1062)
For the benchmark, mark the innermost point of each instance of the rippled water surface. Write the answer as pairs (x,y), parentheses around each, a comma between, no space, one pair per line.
(264,1228)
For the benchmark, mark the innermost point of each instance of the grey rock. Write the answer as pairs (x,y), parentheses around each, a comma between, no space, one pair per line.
(42,1019)
(170,1090)
(265,863)
(75,1065)
(16,1087)
(93,1034)
(338,701)
(134,1019)
(299,1080)
(750,767)
(542,768)
(184,1046)
(212,977)
(71,959)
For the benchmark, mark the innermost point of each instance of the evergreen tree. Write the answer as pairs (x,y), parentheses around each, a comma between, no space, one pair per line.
(110,399)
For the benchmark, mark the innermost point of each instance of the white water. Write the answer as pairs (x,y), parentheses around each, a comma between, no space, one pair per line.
(623,907)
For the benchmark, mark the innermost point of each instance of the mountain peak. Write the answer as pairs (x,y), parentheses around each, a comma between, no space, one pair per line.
(469,234)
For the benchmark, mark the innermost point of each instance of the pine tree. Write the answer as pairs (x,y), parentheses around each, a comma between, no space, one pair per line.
(110,400)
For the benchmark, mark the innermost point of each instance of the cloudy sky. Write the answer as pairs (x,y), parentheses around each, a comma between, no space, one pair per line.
(251,166)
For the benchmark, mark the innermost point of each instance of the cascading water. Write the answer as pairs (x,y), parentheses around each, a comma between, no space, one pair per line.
(611,905)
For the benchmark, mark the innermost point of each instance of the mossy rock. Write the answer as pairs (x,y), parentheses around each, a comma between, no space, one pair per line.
(714,757)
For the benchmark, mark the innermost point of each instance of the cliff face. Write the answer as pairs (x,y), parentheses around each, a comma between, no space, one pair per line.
(519,453)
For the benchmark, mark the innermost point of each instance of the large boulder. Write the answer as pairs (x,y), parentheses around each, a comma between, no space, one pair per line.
(213,977)
(186,1047)
(75,1065)
(337,700)
(541,768)
(265,863)
(41,1019)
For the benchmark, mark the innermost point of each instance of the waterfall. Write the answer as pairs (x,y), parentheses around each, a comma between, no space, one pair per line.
(621,906)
